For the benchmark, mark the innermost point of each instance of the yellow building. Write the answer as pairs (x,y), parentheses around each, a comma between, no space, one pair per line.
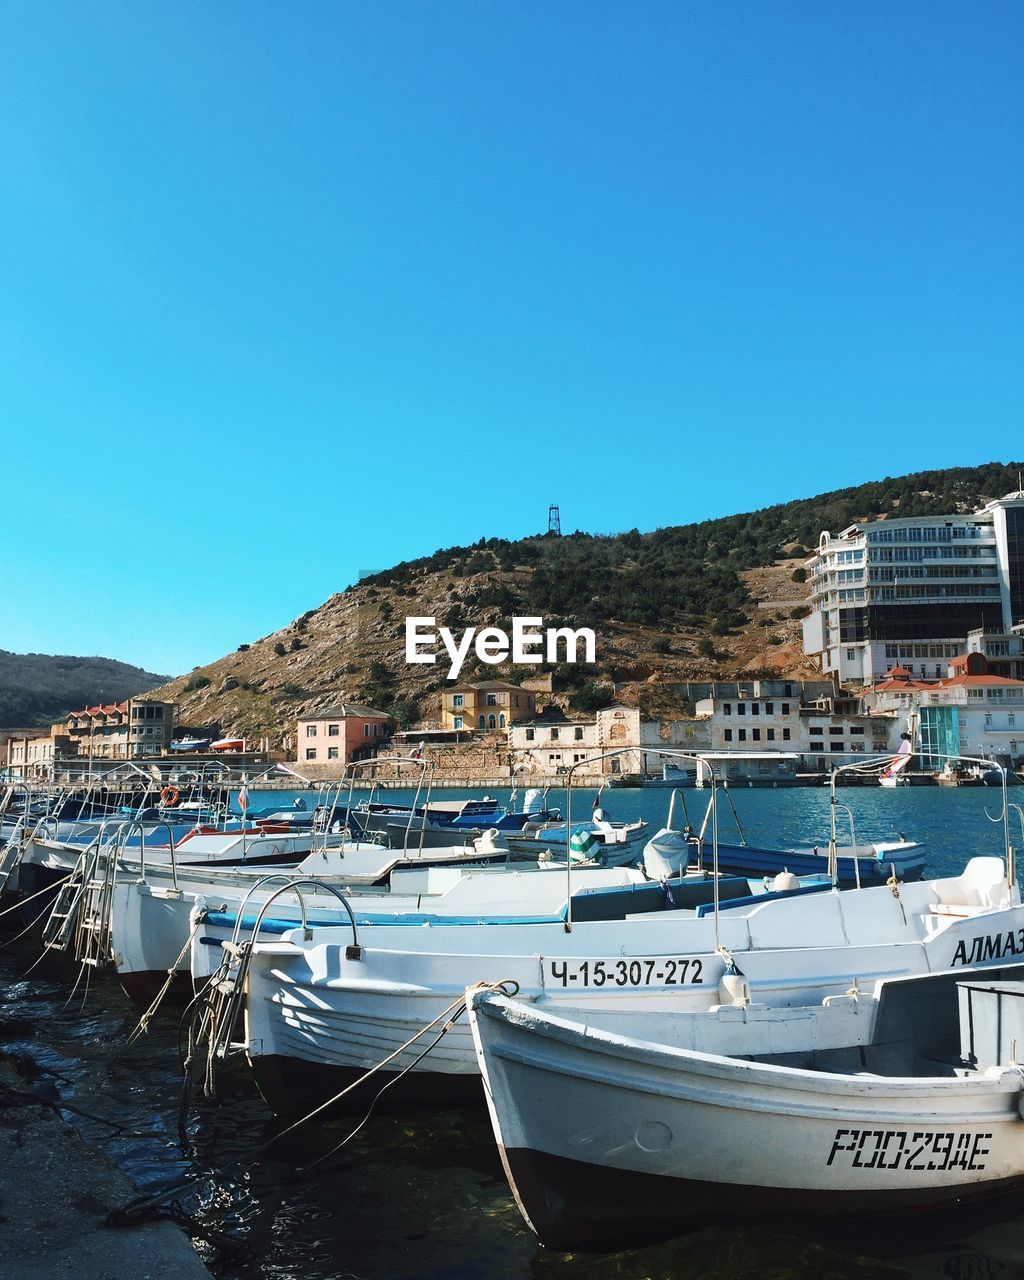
(488,705)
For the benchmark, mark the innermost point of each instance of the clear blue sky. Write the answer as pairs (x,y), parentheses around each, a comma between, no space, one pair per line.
(292,291)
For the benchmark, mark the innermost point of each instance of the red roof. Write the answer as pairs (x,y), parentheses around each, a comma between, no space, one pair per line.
(102,709)
(899,680)
(979,681)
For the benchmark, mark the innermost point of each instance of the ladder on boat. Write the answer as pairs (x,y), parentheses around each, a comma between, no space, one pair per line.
(80,919)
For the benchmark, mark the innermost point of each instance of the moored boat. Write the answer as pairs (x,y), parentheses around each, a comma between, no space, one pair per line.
(614,1131)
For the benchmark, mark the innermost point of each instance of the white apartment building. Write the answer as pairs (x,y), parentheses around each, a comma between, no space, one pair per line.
(906,592)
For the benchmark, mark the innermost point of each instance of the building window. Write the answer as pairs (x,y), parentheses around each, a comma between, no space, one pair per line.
(755,708)
(851,655)
(856,729)
(456,699)
(769,708)
(492,722)
(492,699)
(728,735)
(785,708)
(310,730)
(376,730)
(771,735)
(481,723)
(743,735)
(333,730)
(756,734)
(311,753)
(836,731)
(366,730)
(554,734)
(726,708)
(332,753)
(741,708)
(529,735)
(501,719)
(577,733)
(458,723)
(835,746)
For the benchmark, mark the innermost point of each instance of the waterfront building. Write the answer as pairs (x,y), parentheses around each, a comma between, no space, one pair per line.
(31,754)
(344,733)
(120,730)
(908,591)
(972,712)
(487,706)
(822,730)
(551,747)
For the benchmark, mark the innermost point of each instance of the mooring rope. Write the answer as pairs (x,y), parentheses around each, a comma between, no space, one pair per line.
(131,1212)
(142,1026)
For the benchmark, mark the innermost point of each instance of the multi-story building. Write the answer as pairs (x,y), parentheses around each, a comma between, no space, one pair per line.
(908,591)
(33,755)
(553,747)
(820,731)
(486,706)
(972,712)
(120,730)
(345,733)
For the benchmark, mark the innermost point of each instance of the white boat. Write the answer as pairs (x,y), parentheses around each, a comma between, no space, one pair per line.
(603,840)
(614,1129)
(320,1011)
(153,925)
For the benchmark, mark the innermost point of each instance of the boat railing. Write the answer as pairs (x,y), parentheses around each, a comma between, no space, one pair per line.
(425,776)
(875,764)
(129,828)
(230,988)
(705,761)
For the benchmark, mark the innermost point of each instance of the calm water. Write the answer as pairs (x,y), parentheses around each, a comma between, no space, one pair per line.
(422,1194)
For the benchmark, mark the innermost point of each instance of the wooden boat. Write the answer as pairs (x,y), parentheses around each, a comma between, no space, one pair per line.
(614,1130)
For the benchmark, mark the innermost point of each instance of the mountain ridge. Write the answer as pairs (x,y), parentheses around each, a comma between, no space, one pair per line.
(37,689)
(700,601)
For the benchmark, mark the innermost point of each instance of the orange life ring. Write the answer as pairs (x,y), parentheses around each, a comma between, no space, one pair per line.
(170,796)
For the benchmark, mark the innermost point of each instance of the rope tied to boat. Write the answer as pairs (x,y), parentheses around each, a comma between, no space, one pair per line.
(894,886)
(142,1026)
(447,1018)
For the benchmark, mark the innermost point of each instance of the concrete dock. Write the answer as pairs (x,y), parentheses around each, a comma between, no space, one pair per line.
(56,1189)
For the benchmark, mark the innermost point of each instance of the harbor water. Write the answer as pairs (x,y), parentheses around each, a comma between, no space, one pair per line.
(421,1193)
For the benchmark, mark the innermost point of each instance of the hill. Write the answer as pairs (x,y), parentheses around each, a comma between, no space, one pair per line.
(38,688)
(694,601)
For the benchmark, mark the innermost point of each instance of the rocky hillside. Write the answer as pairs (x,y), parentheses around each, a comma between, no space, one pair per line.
(38,688)
(698,601)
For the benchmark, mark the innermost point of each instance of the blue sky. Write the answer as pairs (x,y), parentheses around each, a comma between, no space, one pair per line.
(290,292)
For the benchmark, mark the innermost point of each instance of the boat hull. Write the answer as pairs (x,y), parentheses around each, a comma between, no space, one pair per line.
(740,859)
(608,1141)
(574,1205)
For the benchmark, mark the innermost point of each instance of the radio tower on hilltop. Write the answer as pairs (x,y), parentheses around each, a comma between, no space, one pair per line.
(554,523)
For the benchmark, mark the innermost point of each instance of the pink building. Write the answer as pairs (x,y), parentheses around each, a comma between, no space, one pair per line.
(341,734)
